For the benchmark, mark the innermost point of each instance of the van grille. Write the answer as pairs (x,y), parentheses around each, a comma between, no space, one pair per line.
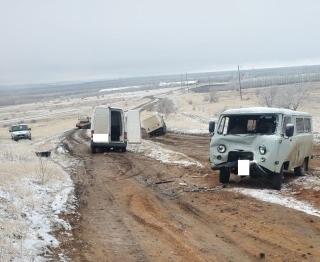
(238,155)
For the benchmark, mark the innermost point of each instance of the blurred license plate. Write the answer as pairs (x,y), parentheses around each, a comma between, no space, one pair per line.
(243,167)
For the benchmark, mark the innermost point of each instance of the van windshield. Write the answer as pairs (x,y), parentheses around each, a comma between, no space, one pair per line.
(265,124)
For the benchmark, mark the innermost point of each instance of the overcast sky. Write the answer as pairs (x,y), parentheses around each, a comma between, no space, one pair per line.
(53,40)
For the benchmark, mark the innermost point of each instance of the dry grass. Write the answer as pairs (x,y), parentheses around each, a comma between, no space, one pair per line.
(21,170)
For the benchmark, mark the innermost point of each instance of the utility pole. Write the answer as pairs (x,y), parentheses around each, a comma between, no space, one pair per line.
(239,82)
(187,81)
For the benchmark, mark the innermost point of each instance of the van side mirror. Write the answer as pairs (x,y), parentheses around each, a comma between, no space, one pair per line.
(211,126)
(289,130)
(29,128)
(9,130)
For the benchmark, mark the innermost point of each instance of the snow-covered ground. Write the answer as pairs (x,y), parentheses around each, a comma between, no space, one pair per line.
(285,197)
(34,190)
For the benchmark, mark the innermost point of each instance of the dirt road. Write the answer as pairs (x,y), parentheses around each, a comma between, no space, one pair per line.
(134,208)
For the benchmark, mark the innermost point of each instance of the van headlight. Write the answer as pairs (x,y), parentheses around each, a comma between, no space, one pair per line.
(262,149)
(222,148)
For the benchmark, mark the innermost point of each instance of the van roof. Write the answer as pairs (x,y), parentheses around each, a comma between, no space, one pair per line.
(263,110)
(107,107)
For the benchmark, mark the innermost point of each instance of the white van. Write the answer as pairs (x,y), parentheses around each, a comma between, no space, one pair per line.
(261,142)
(112,128)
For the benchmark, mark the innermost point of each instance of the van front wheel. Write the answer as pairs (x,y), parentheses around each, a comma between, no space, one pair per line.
(224,176)
(277,179)
(301,170)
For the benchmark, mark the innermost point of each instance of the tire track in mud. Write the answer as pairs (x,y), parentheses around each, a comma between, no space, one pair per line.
(185,230)
(104,225)
(153,219)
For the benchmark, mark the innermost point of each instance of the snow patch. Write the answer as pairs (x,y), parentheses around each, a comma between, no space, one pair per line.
(274,197)
(156,151)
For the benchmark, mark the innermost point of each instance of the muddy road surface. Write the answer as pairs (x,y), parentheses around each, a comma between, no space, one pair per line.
(135,208)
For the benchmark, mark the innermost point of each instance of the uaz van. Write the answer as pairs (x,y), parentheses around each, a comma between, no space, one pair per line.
(112,128)
(261,142)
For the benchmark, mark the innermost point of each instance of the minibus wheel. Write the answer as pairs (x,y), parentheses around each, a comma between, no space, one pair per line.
(277,179)
(224,175)
(301,170)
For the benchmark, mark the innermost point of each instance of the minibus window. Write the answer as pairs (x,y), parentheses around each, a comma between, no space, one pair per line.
(238,125)
(299,125)
(251,126)
(223,127)
(266,124)
(307,125)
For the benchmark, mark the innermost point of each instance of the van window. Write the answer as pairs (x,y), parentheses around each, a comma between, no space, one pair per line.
(299,125)
(251,125)
(238,124)
(307,125)
(286,120)
(223,127)
(266,124)
(248,124)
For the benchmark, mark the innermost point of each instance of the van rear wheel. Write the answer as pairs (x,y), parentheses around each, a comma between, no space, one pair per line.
(224,176)
(301,170)
(277,179)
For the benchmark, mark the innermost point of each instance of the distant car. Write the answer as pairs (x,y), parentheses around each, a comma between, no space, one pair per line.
(84,122)
(20,131)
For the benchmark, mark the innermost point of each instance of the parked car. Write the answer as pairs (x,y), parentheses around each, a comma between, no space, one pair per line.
(261,142)
(84,122)
(112,128)
(20,131)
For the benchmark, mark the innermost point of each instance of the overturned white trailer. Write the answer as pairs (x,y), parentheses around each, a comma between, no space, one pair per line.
(154,125)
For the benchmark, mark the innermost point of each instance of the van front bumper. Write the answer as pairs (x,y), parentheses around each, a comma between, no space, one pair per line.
(255,169)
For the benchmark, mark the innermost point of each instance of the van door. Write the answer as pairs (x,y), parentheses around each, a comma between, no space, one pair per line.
(133,126)
(286,150)
(304,140)
(101,125)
